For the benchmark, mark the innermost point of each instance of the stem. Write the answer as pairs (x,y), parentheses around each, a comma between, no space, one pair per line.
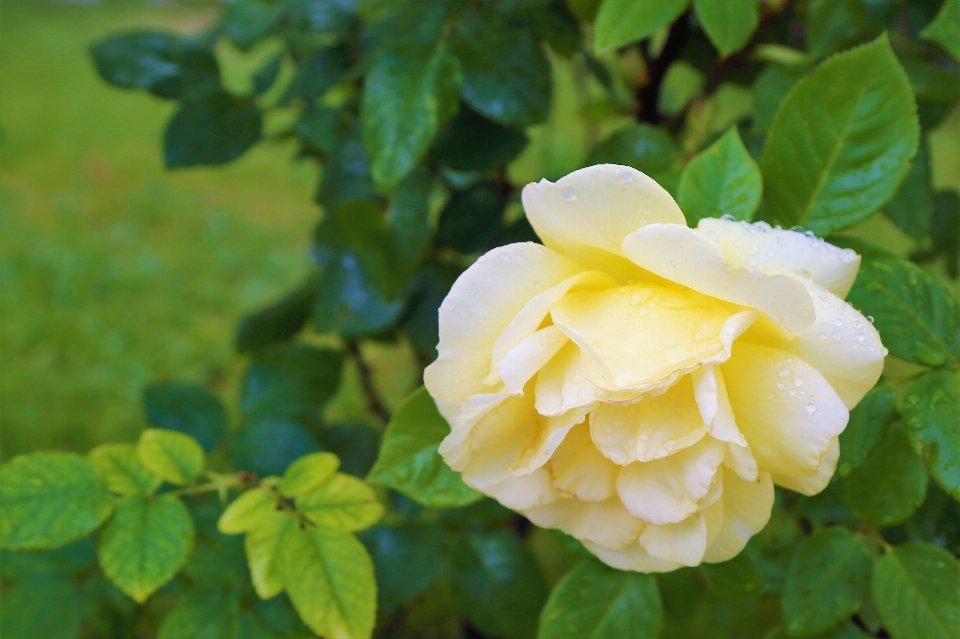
(374,403)
(221,483)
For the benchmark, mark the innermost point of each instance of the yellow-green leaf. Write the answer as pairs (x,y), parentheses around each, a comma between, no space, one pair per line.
(722,180)
(246,511)
(341,502)
(262,544)
(307,473)
(121,470)
(621,22)
(175,457)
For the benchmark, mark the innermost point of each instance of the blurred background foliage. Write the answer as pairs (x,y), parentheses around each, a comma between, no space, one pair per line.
(321,171)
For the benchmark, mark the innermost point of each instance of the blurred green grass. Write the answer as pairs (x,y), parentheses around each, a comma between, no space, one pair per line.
(115,272)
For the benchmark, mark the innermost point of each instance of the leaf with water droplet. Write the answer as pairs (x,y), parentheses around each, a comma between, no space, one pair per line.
(932,416)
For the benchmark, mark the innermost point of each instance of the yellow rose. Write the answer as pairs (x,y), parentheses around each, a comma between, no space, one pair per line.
(642,385)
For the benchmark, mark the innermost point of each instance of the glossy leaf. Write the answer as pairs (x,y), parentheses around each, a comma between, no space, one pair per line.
(833,25)
(868,423)
(931,412)
(945,28)
(918,319)
(827,579)
(644,147)
(355,443)
(594,601)
(406,561)
(912,206)
(728,24)
(279,322)
(770,88)
(620,22)
(145,543)
(187,408)
(175,457)
(121,471)
(841,141)
(722,180)
(409,461)
(329,577)
(268,446)
(213,129)
(473,142)
(288,380)
(48,500)
(915,591)
(472,217)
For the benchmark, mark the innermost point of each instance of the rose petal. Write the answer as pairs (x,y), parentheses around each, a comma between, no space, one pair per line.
(746,510)
(562,383)
(711,394)
(580,470)
(812,485)
(529,356)
(633,557)
(683,542)
(548,435)
(606,523)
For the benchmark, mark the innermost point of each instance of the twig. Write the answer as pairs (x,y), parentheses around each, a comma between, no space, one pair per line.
(374,403)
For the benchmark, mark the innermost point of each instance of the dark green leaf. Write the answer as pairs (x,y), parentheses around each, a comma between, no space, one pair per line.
(121,470)
(276,323)
(945,230)
(593,601)
(422,326)
(833,25)
(945,29)
(474,143)
(620,22)
(48,500)
(506,75)
(318,129)
(175,457)
(646,148)
(409,460)
(406,561)
(555,24)
(408,220)
(283,381)
(320,72)
(931,412)
(164,64)
(202,613)
(407,96)
(356,445)
(735,577)
(266,76)
(890,485)
(917,317)
(933,82)
(348,302)
(268,446)
(841,141)
(497,584)
(728,24)
(722,180)
(188,408)
(827,580)
(912,206)
(323,20)
(25,609)
(213,129)
(246,21)
(145,543)
(16,565)
(472,217)
(361,230)
(868,422)
(769,90)
(346,172)
(915,591)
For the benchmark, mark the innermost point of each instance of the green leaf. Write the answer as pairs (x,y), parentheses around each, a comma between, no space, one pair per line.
(269,446)
(285,381)
(145,543)
(279,322)
(48,500)
(866,427)
(497,584)
(890,485)
(841,141)
(912,206)
(26,607)
(409,223)
(262,544)
(770,88)
(121,471)
(728,24)
(355,443)
(473,142)
(359,228)
(722,180)
(202,613)
(245,511)
(329,577)
(406,97)
(342,502)
(175,457)
(915,591)
(307,473)
(681,83)
(318,128)
(410,462)
(833,25)
(245,21)
(621,22)
(945,28)
(394,550)
(644,147)
(917,318)
(187,408)
(506,75)
(164,64)
(827,579)
(472,217)
(213,129)
(267,75)
(319,72)
(593,601)
(422,325)
(931,412)
(737,576)
(346,171)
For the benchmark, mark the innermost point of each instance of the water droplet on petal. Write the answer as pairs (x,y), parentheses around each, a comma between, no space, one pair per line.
(771,395)
(568,194)
(627,176)
(836,335)
(780,385)
(823,336)
(811,408)
(838,322)
(504,257)
(847,255)
(798,381)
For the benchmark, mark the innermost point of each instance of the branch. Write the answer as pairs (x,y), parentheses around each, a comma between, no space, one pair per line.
(374,403)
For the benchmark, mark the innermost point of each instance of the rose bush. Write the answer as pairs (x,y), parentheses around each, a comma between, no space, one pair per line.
(642,385)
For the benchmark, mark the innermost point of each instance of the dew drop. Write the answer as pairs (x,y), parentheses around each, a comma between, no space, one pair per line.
(631,443)
(836,335)
(857,324)
(644,209)
(504,257)
(771,395)
(728,330)
(847,256)
(627,176)
(568,194)
(804,314)
(784,373)
(838,322)
(885,352)
(811,408)
(861,336)
(823,336)
(792,392)
(607,430)
(753,261)
(780,385)
(798,381)
(781,240)
(870,318)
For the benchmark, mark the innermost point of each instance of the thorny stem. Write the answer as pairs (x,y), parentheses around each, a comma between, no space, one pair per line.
(374,403)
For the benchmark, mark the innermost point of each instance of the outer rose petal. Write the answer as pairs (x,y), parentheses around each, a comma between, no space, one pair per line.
(668,490)
(747,506)
(606,523)
(483,301)
(711,394)
(812,485)
(684,256)
(687,541)
(771,392)
(760,247)
(633,557)
(587,213)
(654,427)
(580,470)
(496,440)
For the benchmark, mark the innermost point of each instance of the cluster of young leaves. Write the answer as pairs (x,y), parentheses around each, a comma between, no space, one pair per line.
(423,115)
